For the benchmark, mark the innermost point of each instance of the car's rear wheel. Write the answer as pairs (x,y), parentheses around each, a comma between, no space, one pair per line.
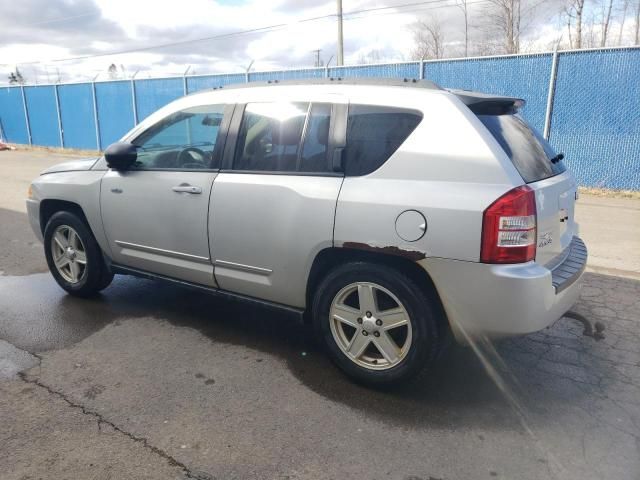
(73,255)
(378,325)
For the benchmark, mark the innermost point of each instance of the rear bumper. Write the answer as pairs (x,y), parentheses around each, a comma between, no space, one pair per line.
(497,301)
(570,269)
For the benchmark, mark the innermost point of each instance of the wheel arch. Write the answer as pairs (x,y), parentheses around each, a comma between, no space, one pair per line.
(50,206)
(331,257)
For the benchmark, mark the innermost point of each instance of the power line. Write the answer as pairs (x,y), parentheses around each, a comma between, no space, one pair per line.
(171,44)
(250,31)
(418,9)
(402,5)
(61,19)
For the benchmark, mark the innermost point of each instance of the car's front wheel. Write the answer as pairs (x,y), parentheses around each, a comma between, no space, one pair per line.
(378,325)
(73,255)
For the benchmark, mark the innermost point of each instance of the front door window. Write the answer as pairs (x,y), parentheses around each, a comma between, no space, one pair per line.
(184,140)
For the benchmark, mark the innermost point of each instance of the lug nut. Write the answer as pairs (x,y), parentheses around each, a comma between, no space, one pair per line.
(359,320)
(379,322)
(365,333)
(376,334)
(368,314)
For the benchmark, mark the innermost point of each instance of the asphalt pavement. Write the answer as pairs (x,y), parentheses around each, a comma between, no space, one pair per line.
(149,380)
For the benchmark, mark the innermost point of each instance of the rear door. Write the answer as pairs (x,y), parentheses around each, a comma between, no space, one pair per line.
(155,214)
(542,169)
(273,205)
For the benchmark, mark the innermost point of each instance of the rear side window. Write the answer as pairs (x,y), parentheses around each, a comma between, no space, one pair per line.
(374,133)
(270,137)
(529,152)
(284,137)
(316,138)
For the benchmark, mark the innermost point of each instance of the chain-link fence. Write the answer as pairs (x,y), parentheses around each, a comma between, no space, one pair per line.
(586,102)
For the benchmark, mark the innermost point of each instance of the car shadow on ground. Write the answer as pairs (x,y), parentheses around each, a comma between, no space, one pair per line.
(546,367)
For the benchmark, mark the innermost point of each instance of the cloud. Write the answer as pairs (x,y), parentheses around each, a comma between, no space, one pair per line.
(52,29)
(71,25)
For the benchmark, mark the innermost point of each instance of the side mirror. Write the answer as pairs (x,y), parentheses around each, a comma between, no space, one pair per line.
(121,155)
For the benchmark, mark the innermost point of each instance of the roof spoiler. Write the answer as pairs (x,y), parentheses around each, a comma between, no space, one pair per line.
(485,104)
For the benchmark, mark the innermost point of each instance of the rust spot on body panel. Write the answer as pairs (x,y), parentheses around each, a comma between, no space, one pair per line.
(413,255)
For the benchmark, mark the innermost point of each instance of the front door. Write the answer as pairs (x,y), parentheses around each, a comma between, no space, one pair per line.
(273,206)
(155,214)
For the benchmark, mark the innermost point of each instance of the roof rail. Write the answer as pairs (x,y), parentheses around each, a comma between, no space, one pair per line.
(373,81)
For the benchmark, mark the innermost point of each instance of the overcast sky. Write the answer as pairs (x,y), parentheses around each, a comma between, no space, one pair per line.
(47,30)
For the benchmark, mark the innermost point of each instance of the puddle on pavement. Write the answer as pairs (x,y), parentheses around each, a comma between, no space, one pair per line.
(37,315)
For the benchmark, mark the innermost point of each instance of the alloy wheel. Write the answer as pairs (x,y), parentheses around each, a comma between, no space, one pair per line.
(68,253)
(370,325)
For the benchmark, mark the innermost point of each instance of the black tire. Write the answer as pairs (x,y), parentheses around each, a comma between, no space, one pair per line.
(96,275)
(106,278)
(426,342)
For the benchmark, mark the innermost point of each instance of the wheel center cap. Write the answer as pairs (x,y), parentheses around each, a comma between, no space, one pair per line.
(369,324)
(70,253)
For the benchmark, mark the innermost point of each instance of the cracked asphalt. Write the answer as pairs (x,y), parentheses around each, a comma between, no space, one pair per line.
(152,381)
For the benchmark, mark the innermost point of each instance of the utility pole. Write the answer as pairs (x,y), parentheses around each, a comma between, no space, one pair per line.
(340,59)
(318,61)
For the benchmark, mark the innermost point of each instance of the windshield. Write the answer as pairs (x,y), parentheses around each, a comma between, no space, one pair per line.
(530,153)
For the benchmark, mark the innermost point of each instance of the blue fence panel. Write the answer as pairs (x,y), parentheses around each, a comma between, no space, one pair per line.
(525,77)
(595,121)
(12,120)
(115,110)
(155,93)
(76,112)
(392,70)
(207,82)
(287,74)
(596,117)
(43,115)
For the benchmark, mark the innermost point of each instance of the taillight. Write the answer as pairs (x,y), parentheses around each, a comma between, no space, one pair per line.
(509,228)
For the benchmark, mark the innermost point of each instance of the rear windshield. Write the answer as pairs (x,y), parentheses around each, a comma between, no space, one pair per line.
(530,153)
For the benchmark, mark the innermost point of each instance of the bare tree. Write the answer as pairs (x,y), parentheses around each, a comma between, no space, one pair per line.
(428,38)
(484,42)
(373,56)
(590,36)
(113,71)
(566,13)
(463,5)
(625,7)
(505,16)
(16,78)
(606,18)
(574,12)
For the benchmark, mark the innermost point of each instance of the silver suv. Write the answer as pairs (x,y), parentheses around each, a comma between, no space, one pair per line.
(389,215)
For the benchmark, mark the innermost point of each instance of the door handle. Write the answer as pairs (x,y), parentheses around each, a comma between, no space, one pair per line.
(187,189)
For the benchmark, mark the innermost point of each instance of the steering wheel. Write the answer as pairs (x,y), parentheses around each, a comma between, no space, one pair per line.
(192,157)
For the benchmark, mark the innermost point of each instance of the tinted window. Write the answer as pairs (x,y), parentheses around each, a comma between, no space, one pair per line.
(316,139)
(269,137)
(183,140)
(527,149)
(374,134)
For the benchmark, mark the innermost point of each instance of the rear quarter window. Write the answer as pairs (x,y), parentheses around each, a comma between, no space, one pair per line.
(374,133)
(529,152)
